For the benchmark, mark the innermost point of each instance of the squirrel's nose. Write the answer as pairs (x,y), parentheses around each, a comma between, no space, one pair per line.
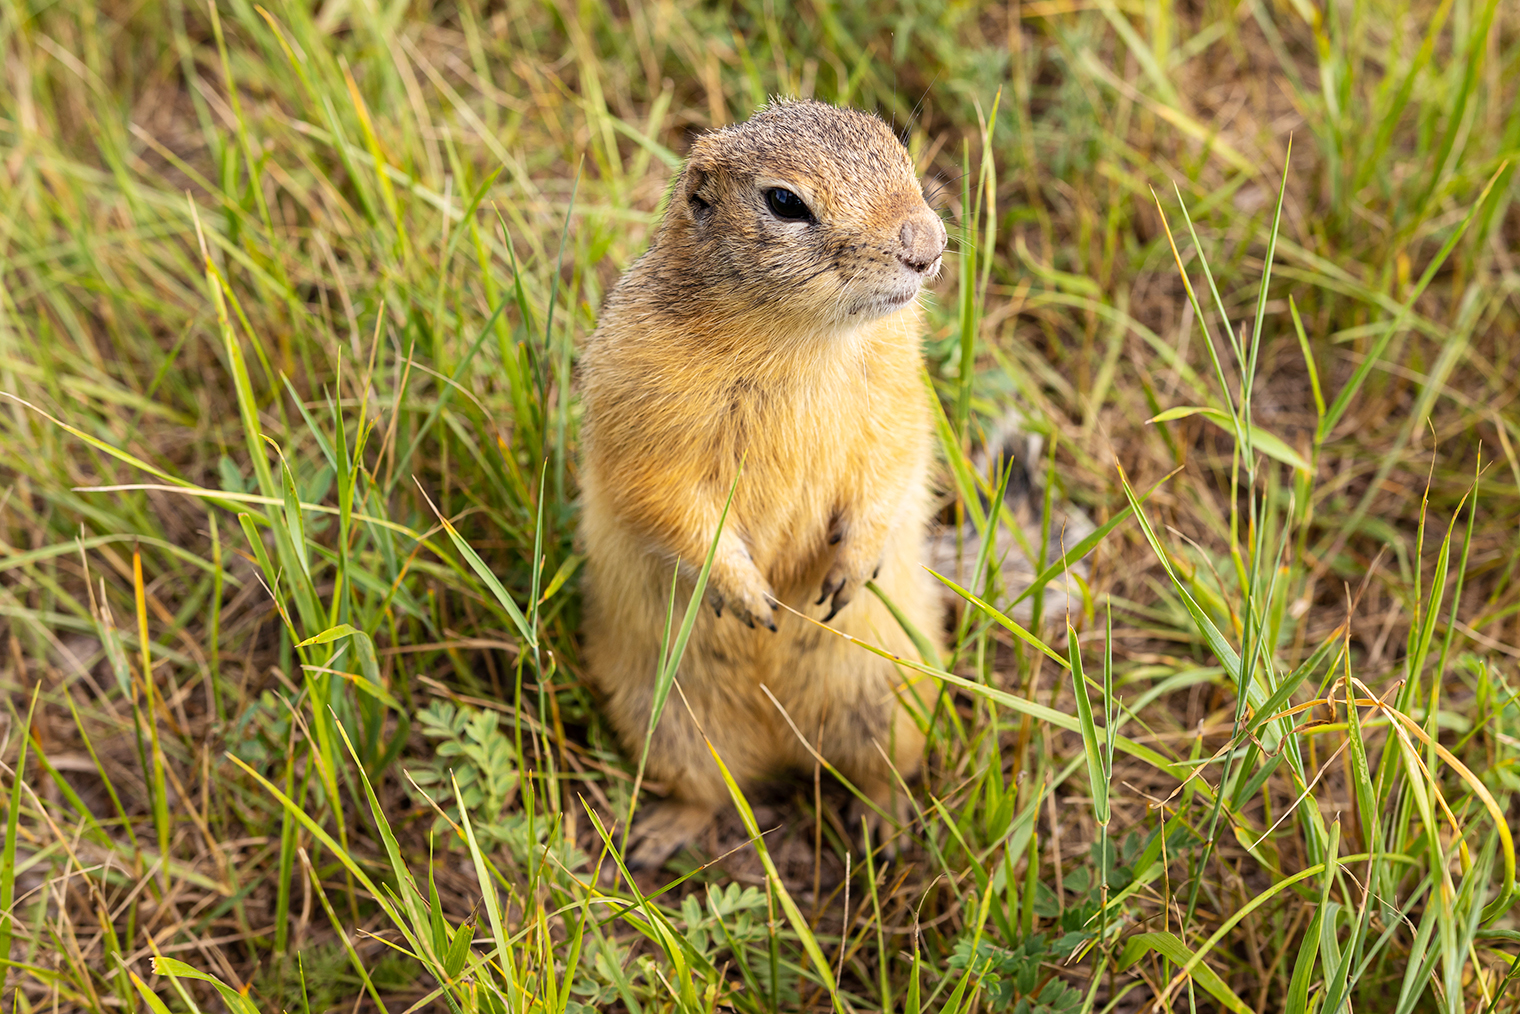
(923,241)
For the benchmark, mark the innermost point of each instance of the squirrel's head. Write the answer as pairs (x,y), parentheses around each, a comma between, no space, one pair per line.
(805,213)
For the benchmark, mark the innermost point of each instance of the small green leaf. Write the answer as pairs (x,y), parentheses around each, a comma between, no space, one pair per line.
(459,949)
(1180,412)
(565,572)
(329,635)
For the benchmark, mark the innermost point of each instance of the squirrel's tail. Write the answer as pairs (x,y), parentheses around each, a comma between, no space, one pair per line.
(955,553)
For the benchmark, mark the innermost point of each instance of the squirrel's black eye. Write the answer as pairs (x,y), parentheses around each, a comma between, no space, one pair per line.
(785,204)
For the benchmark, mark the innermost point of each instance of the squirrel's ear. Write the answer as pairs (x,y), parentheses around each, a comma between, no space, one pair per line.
(695,191)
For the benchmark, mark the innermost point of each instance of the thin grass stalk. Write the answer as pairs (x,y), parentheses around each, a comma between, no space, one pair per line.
(154,774)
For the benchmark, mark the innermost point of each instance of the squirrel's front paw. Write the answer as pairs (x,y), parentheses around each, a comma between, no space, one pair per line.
(754,607)
(843,580)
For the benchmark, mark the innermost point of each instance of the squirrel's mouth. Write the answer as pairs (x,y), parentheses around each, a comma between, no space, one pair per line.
(889,294)
(890,298)
(879,304)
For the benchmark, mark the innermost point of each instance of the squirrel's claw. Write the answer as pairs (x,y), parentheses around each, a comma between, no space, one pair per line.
(832,585)
(746,609)
(841,583)
(844,592)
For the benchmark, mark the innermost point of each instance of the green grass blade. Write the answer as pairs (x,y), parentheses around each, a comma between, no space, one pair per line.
(1097,778)
(12,823)
(486,575)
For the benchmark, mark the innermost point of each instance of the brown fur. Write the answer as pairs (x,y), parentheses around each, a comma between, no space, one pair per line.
(794,347)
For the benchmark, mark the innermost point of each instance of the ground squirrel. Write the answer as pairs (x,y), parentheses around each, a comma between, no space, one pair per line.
(774,321)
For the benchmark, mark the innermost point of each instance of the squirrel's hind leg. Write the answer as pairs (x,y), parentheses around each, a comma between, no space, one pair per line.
(663,827)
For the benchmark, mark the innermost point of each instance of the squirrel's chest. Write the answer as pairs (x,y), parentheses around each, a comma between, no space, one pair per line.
(792,439)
